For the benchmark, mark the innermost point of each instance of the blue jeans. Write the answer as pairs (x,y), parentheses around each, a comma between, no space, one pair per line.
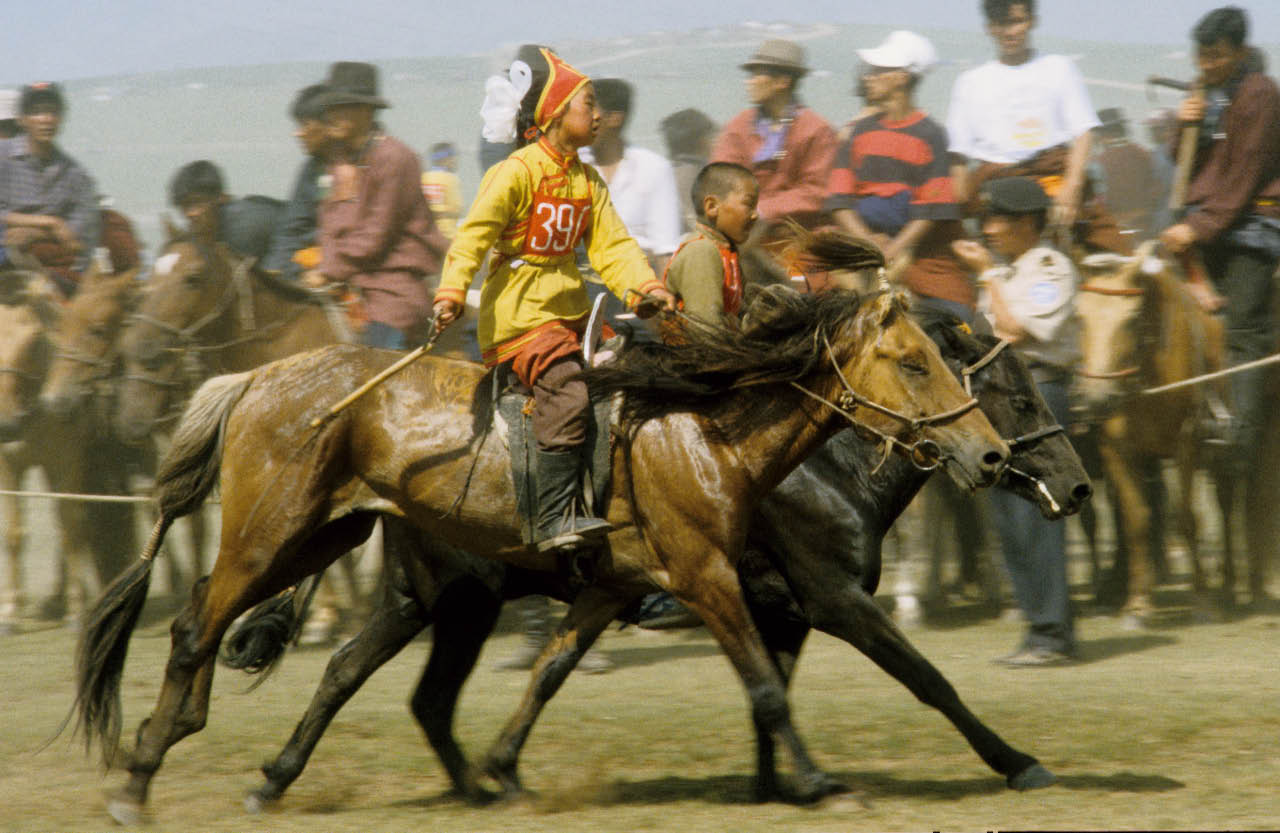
(1035,554)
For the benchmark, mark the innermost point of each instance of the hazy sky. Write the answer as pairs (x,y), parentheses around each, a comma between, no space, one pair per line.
(66,39)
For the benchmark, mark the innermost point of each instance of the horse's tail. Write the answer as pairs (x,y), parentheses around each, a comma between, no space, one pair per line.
(189,470)
(104,644)
(258,644)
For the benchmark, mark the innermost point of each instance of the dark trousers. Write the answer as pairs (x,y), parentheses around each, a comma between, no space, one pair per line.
(1244,277)
(560,407)
(1035,554)
(378,334)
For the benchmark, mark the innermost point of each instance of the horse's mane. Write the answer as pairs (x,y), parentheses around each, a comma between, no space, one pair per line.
(781,340)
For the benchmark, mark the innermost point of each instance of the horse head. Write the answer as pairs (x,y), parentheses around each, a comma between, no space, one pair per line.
(186,297)
(891,381)
(1043,466)
(1118,327)
(86,340)
(27,313)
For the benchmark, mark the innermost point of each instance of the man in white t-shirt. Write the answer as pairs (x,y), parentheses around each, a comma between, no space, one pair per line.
(1026,114)
(642,183)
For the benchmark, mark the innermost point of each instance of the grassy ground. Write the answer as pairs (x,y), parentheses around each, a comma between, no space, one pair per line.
(1169,728)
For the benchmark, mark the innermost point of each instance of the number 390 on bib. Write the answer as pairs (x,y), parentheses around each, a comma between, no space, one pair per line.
(556,225)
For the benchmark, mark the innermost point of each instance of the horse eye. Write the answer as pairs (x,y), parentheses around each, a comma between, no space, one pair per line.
(194,280)
(1023,404)
(913,364)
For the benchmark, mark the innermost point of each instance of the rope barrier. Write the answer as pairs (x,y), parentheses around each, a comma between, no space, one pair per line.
(83,497)
(1217,374)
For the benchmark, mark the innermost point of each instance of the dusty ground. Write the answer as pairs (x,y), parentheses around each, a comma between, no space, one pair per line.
(1173,728)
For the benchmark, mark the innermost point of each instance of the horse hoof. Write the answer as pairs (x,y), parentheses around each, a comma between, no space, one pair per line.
(1032,778)
(125,812)
(255,802)
(819,788)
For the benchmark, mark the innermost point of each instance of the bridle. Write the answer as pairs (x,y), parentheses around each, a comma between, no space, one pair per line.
(924,453)
(1126,292)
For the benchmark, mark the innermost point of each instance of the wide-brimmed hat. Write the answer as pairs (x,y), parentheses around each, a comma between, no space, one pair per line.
(778,54)
(902,50)
(40,92)
(352,82)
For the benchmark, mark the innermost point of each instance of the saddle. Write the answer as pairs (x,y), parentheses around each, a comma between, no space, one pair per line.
(513,421)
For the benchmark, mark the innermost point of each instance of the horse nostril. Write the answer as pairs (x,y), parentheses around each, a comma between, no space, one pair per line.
(1081,493)
(993,459)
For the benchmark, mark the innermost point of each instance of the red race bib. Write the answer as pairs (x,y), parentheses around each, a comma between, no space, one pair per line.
(556,225)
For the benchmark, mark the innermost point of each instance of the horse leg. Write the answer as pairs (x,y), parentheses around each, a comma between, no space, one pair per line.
(858,620)
(12,597)
(250,568)
(588,616)
(397,619)
(715,594)
(1131,506)
(465,615)
(77,560)
(784,637)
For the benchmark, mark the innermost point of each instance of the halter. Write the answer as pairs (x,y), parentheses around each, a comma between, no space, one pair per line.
(924,454)
(1126,292)
(1025,439)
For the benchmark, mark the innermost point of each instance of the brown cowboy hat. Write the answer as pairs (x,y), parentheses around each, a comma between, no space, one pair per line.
(351,82)
(778,54)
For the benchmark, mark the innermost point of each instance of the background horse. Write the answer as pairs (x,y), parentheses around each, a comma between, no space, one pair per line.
(74,451)
(206,311)
(1141,328)
(812,560)
(742,412)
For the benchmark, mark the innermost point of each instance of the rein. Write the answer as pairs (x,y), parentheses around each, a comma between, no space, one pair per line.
(1025,439)
(924,454)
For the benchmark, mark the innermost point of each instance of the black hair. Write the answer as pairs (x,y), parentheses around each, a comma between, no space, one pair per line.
(307,105)
(531,54)
(443,147)
(718,179)
(684,131)
(1228,23)
(613,95)
(200,178)
(997,11)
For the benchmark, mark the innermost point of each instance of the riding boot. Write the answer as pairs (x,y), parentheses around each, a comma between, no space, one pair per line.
(562,523)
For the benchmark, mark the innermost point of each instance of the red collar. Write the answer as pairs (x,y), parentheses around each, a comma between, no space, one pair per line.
(563,160)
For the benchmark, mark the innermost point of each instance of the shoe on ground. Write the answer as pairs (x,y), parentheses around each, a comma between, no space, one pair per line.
(1038,657)
(662,611)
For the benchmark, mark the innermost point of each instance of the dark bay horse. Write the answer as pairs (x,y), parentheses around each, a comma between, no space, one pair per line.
(812,560)
(710,431)
(1142,329)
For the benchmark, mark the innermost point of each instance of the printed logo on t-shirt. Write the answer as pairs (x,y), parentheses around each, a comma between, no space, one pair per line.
(556,225)
(1044,295)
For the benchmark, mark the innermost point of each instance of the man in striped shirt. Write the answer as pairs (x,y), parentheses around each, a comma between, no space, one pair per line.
(892,184)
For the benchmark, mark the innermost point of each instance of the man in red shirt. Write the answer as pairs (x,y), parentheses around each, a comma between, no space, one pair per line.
(375,228)
(786,145)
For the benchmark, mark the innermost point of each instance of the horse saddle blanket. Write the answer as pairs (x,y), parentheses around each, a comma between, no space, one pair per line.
(514,423)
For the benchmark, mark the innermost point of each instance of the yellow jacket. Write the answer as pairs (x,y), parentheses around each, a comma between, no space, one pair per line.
(532,209)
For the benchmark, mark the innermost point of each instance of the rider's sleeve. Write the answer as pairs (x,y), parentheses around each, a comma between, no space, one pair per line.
(613,252)
(504,192)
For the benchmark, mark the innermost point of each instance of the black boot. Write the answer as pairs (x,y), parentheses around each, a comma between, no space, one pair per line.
(562,524)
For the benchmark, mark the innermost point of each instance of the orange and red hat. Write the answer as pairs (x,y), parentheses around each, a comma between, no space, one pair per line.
(562,84)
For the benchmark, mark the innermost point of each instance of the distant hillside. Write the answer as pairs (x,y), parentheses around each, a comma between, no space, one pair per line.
(132,132)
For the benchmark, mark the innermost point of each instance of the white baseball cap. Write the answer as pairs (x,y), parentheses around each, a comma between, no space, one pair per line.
(8,104)
(902,50)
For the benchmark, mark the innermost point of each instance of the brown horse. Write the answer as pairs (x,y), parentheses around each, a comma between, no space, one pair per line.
(206,311)
(71,449)
(1142,329)
(712,427)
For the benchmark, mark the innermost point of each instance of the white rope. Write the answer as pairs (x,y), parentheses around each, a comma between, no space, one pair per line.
(82,497)
(1217,374)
